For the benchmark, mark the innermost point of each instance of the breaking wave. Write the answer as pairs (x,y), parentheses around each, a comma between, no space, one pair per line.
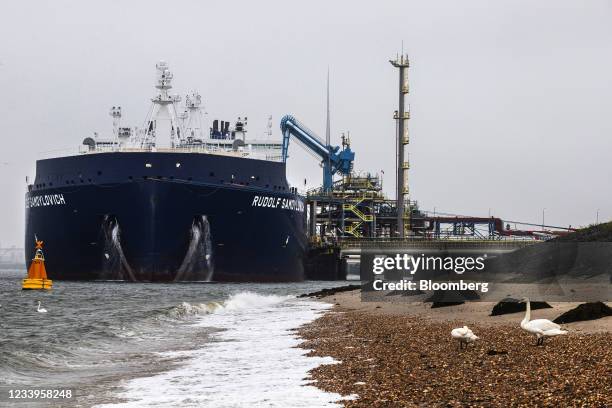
(250,300)
(236,302)
(186,309)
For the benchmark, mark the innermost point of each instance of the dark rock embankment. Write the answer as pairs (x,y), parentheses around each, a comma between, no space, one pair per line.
(508,306)
(330,291)
(585,311)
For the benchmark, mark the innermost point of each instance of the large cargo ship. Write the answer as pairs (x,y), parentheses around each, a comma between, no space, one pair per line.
(168,202)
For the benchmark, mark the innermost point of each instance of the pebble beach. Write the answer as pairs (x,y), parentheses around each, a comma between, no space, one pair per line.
(401,355)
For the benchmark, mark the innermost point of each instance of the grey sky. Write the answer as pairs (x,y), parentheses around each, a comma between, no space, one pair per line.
(510,100)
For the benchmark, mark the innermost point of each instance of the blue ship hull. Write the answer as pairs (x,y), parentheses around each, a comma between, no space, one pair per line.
(162,217)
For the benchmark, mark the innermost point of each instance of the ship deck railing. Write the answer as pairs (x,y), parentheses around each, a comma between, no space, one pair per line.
(427,242)
(259,154)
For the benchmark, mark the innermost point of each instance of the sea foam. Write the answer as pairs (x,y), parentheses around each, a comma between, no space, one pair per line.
(252,361)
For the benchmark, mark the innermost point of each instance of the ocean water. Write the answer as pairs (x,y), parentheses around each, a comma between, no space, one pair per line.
(161,345)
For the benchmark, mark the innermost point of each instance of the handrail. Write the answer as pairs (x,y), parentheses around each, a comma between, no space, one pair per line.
(366,243)
(357,212)
(212,150)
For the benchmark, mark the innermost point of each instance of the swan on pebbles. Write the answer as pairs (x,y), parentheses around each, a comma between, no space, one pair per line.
(464,335)
(542,328)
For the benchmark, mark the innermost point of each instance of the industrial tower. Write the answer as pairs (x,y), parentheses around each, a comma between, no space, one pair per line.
(402,116)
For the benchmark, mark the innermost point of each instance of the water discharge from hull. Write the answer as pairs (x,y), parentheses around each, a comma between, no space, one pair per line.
(198,261)
(116,265)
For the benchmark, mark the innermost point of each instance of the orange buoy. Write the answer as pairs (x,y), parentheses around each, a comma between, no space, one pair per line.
(37,274)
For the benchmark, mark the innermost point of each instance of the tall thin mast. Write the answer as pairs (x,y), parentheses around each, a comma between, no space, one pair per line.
(402,116)
(327,164)
(327,126)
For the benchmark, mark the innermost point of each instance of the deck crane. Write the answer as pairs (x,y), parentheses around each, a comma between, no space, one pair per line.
(334,159)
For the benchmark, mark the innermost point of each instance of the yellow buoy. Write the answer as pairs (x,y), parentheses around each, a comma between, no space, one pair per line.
(37,275)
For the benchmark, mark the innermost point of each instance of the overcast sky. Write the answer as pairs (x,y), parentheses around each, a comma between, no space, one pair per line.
(510,100)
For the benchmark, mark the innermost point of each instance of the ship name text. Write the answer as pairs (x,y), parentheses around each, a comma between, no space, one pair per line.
(45,200)
(278,202)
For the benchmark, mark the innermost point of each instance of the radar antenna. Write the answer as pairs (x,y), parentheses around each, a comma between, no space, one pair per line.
(115,112)
(162,118)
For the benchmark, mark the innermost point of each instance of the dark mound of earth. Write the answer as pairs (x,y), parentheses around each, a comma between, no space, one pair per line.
(507,306)
(405,293)
(594,233)
(583,255)
(454,296)
(436,305)
(585,311)
(330,291)
(413,292)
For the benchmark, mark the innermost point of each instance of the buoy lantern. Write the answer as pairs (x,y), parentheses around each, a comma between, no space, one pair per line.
(37,274)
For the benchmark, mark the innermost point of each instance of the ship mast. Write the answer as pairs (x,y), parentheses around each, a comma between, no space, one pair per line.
(192,117)
(115,113)
(269,128)
(162,119)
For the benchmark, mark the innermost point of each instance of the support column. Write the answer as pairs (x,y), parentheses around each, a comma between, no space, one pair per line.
(402,116)
(312,230)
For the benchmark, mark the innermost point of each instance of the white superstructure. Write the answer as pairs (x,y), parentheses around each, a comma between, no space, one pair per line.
(169,127)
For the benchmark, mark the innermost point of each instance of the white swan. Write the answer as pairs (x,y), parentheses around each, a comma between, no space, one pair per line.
(542,328)
(41,310)
(464,335)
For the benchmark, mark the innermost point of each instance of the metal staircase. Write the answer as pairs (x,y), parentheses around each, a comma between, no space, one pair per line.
(353,229)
